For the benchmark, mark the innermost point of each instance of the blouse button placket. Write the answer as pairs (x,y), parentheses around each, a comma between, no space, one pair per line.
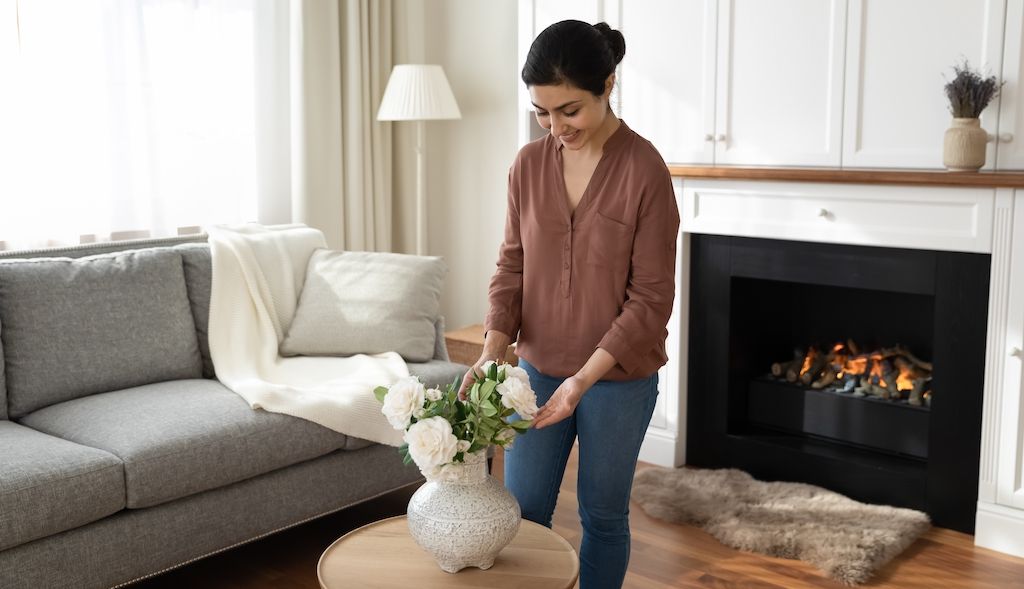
(567,263)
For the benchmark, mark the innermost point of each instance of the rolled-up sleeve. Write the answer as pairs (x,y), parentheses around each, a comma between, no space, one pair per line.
(641,326)
(505,294)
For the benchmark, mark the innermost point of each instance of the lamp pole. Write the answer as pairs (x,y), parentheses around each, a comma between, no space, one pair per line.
(421,201)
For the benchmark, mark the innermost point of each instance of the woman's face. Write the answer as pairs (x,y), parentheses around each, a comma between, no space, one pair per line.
(570,114)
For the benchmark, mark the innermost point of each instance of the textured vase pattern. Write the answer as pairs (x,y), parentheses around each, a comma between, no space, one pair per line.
(963,146)
(464,519)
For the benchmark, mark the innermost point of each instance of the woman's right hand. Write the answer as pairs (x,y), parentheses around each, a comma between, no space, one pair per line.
(476,371)
(495,344)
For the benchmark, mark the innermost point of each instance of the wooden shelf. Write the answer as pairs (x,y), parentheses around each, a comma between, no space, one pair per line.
(858,176)
(465,346)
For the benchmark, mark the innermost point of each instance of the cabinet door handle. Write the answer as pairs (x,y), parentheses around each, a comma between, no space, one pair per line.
(709,137)
(990,138)
(720,137)
(1017,352)
(1006,137)
(824,213)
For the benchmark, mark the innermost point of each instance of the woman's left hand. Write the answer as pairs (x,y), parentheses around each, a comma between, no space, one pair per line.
(562,403)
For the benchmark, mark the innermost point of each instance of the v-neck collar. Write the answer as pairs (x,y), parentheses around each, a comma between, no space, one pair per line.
(610,145)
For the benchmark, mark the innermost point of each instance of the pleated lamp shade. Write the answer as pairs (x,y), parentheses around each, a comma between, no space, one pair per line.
(418,93)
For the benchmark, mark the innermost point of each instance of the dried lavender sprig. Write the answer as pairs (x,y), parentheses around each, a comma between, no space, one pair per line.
(969,93)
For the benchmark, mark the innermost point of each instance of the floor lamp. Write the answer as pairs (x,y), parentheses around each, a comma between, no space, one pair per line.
(418,93)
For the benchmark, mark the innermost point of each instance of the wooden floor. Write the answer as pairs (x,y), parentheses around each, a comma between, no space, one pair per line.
(664,555)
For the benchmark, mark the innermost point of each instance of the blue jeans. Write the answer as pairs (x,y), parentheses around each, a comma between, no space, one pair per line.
(610,422)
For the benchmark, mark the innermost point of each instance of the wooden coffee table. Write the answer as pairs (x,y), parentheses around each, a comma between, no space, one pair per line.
(383,554)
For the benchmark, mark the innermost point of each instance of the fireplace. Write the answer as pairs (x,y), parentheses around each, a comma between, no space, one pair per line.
(915,312)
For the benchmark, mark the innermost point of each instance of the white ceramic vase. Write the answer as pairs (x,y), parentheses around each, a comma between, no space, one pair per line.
(464,518)
(963,145)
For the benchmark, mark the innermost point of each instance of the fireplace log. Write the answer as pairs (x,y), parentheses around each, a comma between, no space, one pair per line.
(828,377)
(872,388)
(780,369)
(818,363)
(905,352)
(917,392)
(913,371)
(889,375)
(793,371)
(853,347)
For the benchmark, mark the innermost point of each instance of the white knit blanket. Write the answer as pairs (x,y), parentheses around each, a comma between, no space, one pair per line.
(258,273)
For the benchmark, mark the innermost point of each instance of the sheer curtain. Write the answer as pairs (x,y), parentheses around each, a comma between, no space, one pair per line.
(341,60)
(136,118)
(142,118)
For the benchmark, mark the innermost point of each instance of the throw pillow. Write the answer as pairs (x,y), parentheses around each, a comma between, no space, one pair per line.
(367,303)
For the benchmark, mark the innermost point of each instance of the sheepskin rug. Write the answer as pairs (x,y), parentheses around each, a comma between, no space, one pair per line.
(847,540)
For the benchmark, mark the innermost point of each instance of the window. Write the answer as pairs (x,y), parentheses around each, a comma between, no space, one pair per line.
(128,118)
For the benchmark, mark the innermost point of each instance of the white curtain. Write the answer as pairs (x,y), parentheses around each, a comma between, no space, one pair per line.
(138,118)
(341,60)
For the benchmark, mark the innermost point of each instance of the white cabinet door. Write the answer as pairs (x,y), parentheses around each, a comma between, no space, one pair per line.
(898,59)
(1010,468)
(667,79)
(1010,145)
(780,80)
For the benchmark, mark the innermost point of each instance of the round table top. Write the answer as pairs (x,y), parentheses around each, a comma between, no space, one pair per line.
(383,554)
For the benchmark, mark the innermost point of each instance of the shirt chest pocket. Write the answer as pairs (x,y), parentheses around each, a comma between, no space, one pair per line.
(610,244)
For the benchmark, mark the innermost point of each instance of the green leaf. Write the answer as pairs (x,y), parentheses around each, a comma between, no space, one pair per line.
(492,372)
(489,409)
(486,430)
(404,451)
(380,393)
(474,394)
(521,425)
(487,388)
(475,446)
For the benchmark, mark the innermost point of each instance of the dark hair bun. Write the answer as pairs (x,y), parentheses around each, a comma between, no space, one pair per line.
(616,41)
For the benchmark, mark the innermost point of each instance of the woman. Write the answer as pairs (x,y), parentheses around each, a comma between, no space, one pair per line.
(585,278)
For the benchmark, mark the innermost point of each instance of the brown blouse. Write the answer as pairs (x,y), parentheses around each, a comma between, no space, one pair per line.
(602,276)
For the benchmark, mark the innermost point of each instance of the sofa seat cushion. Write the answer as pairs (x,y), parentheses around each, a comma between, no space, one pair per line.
(182,437)
(48,485)
(433,374)
(437,373)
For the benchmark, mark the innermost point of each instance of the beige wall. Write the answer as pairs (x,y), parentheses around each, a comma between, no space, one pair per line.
(467,159)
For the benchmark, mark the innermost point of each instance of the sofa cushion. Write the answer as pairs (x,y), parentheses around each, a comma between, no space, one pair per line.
(367,303)
(74,327)
(48,485)
(198,277)
(183,437)
(437,373)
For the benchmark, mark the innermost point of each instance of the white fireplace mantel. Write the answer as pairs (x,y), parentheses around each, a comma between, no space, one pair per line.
(967,218)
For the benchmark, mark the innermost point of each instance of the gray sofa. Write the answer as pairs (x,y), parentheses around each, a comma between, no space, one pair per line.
(121,455)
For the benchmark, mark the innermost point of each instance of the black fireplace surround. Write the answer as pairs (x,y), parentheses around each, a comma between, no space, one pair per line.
(754,300)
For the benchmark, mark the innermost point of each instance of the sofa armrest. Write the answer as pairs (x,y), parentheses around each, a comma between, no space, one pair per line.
(440,346)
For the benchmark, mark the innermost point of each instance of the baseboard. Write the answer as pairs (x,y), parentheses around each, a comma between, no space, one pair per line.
(662,448)
(1000,528)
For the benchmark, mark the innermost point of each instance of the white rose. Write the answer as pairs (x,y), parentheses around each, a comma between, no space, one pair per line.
(463,445)
(419,413)
(431,442)
(517,395)
(516,372)
(403,399)
(434,394)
